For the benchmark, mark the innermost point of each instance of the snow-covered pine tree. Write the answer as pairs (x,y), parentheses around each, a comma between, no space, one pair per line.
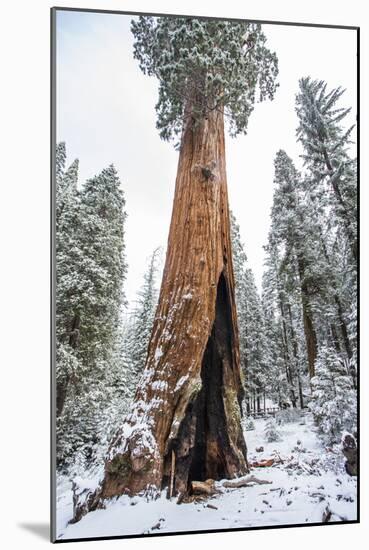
(326,139)
(68,261)
(90,274)
(256,355)
(291,232)
(102,242)
(276,385)
(60,159)
(340,281)
(326,142)
(271,431)
(281,299)
(141,322)
(238,254)
(333,399)
(239,266)
(250,324)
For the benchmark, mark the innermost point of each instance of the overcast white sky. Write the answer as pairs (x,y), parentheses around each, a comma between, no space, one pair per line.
(106,114)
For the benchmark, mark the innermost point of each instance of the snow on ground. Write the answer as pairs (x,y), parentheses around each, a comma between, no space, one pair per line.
(309,481)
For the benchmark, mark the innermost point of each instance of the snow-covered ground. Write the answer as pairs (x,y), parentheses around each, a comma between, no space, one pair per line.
(308,482)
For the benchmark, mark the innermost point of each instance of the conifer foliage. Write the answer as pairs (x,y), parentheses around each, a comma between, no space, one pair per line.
(333,399)
(141,320)
(204,65)
(325,141)
(90,270)
(253,348)
(309,287)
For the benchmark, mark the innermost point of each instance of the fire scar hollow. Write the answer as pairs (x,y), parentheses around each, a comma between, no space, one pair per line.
(203,448)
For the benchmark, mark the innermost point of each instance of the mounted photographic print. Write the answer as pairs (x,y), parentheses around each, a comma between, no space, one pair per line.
(205,249)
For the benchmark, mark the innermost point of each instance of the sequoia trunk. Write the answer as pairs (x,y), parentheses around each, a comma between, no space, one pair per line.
(186,411)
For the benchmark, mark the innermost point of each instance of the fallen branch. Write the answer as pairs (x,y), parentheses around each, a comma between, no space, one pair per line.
(245,482)
(263,463)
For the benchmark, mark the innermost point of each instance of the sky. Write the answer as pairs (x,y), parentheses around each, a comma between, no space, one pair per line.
(105,112)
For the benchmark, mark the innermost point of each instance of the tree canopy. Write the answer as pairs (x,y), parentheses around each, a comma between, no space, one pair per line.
(203,65)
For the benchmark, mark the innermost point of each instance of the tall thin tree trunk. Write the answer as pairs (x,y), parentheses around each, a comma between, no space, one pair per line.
(336,297)
(340,314)
(335,338)
(296,357)
(287,360)
(62,386)
(343,326)
(188,399)
(310,334)
(258,403)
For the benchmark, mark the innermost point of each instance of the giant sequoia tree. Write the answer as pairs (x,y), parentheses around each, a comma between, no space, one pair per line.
(185,419)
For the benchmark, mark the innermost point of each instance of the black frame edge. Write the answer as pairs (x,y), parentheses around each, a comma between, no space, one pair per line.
(52,276)
(261,21)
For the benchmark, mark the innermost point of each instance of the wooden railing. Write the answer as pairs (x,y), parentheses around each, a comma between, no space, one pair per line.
(269,411)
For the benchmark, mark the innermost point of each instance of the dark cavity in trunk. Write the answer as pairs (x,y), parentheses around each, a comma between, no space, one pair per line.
(202,443)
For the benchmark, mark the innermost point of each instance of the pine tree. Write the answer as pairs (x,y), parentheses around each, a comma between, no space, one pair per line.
(250,322)
(140,328)
(309,285)
(281,299)
(104,266)
(60,159)
(238,254)
(90,272)
(239,265)
(332,183)
(275,384)
(255,374)
(271,431)
(325,144)
(291,231)
(333,399)
(68,259)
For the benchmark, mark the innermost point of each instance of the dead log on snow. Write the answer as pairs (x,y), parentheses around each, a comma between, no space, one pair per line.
(245,482)
(263,463)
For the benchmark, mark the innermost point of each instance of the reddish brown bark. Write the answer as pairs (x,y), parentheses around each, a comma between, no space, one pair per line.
(188,400)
